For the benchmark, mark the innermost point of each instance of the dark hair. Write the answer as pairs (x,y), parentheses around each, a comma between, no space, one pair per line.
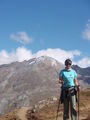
(68,62)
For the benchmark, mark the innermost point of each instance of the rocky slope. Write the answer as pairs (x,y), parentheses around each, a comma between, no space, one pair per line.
(47,109)
(25,83)
(83,75)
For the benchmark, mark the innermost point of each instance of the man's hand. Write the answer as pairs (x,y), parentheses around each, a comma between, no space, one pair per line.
(78,87)
(61,80)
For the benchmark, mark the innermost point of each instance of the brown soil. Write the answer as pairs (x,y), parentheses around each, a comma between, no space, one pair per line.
(49,112)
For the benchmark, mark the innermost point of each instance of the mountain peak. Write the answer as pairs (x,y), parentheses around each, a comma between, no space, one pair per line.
(25,83)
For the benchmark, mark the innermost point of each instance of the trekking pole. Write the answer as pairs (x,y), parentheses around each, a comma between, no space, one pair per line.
(78,101)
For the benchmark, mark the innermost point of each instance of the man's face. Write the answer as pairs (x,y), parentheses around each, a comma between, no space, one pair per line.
(68,66)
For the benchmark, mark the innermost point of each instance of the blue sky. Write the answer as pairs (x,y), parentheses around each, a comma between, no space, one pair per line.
(57,28)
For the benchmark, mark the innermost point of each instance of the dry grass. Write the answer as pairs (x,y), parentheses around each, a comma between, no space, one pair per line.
(10,116)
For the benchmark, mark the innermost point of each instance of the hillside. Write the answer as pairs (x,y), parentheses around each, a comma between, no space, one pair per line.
(23,84)
(47,110)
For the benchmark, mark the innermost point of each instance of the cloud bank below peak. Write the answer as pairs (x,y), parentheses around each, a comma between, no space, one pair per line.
(22,53)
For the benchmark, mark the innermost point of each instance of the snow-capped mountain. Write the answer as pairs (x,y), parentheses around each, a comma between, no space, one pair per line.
(25,83)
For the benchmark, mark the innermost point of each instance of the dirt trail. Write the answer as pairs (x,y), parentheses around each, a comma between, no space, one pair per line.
(22,113)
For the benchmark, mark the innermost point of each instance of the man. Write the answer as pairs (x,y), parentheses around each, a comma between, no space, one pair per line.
(68,79)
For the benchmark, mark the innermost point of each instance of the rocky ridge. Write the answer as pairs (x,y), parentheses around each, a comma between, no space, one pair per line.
(23,84)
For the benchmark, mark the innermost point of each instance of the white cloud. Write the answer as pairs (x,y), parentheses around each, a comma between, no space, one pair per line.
(84,62)
(21,37)
(22,54)
(58,54)
(86,33)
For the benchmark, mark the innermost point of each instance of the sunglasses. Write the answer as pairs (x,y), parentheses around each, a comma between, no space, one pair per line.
(68,64)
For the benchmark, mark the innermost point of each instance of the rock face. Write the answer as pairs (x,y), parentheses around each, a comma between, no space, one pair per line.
(25,83)
(83,75)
